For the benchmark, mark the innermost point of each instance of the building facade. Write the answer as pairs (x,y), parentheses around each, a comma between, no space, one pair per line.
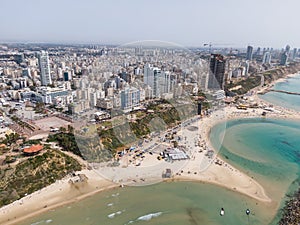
(249,52)
(130,98)
(45,72)
(216,72)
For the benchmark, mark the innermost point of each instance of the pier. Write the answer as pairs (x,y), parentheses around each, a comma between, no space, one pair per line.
(286,92)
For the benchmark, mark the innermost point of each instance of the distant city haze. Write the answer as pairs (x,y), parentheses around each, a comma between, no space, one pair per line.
(224,23)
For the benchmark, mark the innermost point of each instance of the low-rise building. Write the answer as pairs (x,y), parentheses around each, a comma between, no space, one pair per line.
(78,107)
(105,103)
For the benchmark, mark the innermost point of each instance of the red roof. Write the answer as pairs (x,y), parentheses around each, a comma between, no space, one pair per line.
(33,149)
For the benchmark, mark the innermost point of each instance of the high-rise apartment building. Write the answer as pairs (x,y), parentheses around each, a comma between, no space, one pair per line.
(266,58)
(257,53)
(249,52)
(130,98)
(283,58)
(151,77)
(216,72)
(159,81)
(294,53)
(287,49)
(45,73)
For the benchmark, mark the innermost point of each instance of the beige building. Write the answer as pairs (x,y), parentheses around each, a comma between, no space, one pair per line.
(105,103)
(78,107)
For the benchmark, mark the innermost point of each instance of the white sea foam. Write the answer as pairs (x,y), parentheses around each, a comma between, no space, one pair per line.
(36,223)
(145,217)
(42,221)
(115,195)
(112,215)
(149,216)
(39,222)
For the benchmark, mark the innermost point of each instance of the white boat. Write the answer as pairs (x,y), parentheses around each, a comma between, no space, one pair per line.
(222,212)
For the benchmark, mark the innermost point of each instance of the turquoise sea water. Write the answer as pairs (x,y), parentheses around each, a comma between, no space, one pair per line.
(178,203)
(266,149)
(286,100)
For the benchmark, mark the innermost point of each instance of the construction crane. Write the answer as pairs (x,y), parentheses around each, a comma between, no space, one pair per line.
(213,44)
(209,45)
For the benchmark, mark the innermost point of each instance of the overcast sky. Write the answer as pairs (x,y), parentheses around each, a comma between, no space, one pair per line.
(265,23)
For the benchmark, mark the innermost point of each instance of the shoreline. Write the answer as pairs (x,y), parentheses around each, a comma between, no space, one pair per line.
(34,204)
(49,198)
(225,176)
(266,89)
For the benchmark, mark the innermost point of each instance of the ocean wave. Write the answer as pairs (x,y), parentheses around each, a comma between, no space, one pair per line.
(112,215)
(146,217)
(42,221)
(36,223)
(149,216)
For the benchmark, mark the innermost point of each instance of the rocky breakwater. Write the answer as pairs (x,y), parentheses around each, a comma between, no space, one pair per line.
(291,212)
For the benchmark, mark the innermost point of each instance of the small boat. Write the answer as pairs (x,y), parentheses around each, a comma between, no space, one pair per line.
(222,212)
(247,211)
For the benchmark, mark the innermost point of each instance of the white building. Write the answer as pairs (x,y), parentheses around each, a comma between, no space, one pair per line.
(151,78)
(130,98)
(52,95)
(267,58)
(164,82)
(159,81)
(44,68)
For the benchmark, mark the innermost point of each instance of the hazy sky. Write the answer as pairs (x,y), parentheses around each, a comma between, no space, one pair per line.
(265,23)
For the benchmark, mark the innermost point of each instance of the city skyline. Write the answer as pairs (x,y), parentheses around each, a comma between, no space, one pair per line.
(90,106)
(224,24)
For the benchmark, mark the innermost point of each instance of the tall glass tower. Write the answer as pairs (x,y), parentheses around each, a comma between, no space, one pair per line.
(216,72)
(249,52)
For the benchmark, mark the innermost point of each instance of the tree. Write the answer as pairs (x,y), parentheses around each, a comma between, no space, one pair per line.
(175,143)
(70,129)
(62,130)
(39,107)
(11,138)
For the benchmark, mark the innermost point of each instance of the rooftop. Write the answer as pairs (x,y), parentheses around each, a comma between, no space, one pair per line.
(33,149)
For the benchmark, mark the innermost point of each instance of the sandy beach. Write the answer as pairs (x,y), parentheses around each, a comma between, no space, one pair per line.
(61,192)
(55,195)
(199,168)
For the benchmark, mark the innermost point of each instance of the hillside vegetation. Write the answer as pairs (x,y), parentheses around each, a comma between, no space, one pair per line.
(163,116)
(33,174)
